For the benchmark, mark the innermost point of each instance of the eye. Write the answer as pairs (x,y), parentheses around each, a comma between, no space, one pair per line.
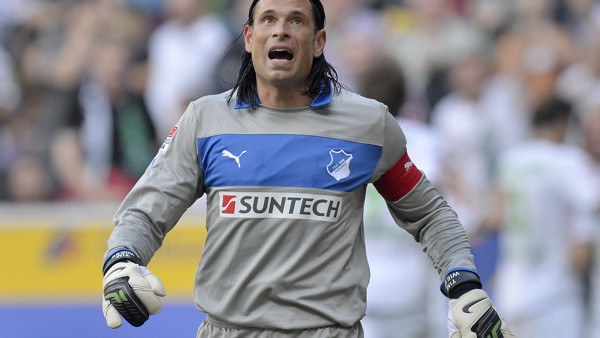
(297,21)
(268,19)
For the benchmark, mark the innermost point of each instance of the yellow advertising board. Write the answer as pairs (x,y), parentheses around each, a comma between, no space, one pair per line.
(58,255)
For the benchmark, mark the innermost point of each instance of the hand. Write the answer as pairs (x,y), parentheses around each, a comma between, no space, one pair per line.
(473,315)
(130,291)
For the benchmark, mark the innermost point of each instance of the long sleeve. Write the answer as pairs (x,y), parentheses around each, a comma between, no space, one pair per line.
(170,185)
(417,206)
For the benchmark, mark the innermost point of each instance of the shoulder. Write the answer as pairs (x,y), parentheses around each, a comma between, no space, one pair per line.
(213,103)
(351,99)
(575,155)
(357,107)
(207,108)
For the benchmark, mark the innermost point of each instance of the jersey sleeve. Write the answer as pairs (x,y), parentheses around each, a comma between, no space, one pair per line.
(417,207)
(169,186)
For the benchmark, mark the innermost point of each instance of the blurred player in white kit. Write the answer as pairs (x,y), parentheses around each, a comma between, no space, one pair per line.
(547,229)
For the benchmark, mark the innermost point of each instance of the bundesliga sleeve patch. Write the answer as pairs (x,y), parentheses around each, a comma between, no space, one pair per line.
(399,179)
(165,144)
(169,138)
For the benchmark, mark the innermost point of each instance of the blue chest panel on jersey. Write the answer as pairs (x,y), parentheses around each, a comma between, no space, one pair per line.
(286,161)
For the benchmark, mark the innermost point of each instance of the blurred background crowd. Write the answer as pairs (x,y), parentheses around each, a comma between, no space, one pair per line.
(89,89)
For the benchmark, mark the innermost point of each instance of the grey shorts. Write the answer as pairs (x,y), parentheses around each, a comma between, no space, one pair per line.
(215,328)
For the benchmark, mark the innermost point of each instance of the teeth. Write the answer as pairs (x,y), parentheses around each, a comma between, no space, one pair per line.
(280,54)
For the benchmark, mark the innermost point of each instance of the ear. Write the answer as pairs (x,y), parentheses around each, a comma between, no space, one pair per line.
(248,38)
(319,43)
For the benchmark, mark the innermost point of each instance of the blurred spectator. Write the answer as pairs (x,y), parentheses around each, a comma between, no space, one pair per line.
(534,49)
(29,181)
(183,57)
(582,18)
(237,14)
(427,37)
(462,122)
(55,48)
(547,229)
(392,312)
(12,13)
(104,156)
(476,120)
(491,16)
(351,53)
(48,58)
(10,90)
(52,63)
(578,79)
(10,98)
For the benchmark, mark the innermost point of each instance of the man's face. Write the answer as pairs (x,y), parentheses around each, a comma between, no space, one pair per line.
(283,42)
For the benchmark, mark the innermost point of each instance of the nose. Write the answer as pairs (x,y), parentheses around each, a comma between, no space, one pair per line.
(281,30)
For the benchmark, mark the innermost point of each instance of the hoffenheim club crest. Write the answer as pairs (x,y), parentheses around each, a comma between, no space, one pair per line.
(339,167)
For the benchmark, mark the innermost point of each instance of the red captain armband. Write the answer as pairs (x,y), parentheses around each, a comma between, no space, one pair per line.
(399,179)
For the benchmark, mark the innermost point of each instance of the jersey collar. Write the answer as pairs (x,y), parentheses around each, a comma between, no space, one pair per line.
(319,101)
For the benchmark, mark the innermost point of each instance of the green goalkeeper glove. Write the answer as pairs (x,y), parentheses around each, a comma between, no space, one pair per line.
(131,291)
(473,315)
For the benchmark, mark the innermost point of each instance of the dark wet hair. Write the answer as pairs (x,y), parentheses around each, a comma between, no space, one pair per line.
(551,111)
(321,70)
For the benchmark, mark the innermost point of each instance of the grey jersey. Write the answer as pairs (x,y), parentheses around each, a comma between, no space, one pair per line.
(285,191)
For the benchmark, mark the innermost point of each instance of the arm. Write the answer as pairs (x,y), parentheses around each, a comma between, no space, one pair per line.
(420,209)
(169,186)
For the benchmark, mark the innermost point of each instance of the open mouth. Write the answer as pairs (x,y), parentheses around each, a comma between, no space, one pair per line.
(280,54)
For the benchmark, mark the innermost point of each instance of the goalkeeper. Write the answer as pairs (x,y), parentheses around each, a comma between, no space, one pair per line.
(284,159)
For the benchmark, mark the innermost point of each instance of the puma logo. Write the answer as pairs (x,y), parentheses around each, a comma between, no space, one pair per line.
(227,153)
(466,308)
(116,270)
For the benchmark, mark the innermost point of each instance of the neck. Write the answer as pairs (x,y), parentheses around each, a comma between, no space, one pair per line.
(551,133)
(282,96)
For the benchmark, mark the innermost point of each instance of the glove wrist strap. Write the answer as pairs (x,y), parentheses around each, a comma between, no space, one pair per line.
(119,256)
(459,282)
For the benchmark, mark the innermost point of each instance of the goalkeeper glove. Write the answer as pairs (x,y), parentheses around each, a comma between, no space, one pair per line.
(472,313)
(130,290)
